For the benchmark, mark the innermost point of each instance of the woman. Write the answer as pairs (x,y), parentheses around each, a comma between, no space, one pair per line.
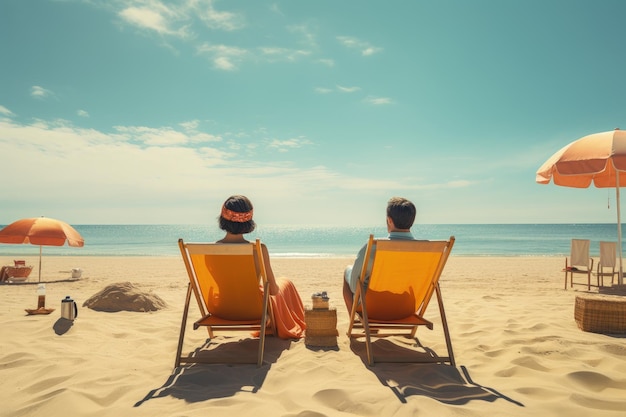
(236,220)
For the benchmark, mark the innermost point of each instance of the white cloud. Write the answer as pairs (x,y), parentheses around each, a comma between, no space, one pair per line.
(176,19)
(156,17)
(153,136)
(323,90)
(181,19)
(286,145)
(283,54)
(39,92)
(348,89)
(204,138)
(224,63)
(141,174)
(223,57)
(370,50)
(377,101)
(190,125)
(216,19)
(82,113)
(5,111)
(353,43)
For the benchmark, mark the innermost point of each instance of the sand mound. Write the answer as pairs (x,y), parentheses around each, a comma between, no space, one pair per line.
(124,296)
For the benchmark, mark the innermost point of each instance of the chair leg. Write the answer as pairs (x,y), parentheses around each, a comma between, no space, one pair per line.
(600,276)
(183,325)
(444,323)
(366,328)
(263,323)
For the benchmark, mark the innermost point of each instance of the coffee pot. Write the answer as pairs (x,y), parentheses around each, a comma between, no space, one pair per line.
(69,309)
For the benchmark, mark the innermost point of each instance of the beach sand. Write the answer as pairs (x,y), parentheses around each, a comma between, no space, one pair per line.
(518,350)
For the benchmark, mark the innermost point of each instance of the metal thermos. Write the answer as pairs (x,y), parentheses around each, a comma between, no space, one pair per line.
(69,310)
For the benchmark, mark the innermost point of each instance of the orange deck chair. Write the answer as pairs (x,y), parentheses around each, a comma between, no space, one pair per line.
(403,278)
(226,280)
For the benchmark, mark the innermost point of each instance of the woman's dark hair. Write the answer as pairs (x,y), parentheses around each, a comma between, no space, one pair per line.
(237,204)
(402,212)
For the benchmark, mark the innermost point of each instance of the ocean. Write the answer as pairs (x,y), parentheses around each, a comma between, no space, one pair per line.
(320,241)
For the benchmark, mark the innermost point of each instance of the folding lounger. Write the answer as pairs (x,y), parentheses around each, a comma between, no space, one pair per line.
(404,275)
(226,280)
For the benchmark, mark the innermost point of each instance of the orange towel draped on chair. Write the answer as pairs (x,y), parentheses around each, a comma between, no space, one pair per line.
(288,311)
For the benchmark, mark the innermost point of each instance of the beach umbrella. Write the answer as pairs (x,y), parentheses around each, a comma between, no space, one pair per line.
(598,159)
(42,231)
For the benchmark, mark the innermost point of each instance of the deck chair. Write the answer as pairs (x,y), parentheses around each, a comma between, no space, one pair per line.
(579,263)
(225,280)
(404,275)
(607,263)
(10,273)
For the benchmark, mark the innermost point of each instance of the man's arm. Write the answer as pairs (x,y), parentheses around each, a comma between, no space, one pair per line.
(356,269)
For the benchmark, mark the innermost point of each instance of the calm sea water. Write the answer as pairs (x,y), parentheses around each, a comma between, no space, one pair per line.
(307,241)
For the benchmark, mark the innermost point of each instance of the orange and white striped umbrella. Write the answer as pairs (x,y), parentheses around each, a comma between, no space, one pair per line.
(596,159)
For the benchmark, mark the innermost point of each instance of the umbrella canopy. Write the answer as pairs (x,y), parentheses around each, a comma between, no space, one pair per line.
(598,159)
(42,231)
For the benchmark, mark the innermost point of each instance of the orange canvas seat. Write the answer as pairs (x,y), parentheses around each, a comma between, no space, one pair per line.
(579,262)
(227,282)
(404,276)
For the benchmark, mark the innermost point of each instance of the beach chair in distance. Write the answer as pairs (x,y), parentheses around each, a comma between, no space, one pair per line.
(579,262)
(404,276)
(607,262)
(225,280)
(10,273)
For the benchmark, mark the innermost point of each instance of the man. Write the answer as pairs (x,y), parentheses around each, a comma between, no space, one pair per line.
(400,217)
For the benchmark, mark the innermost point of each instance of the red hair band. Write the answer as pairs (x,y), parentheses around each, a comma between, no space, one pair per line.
(237,217)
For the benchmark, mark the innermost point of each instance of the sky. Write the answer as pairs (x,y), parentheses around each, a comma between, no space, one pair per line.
(154,112)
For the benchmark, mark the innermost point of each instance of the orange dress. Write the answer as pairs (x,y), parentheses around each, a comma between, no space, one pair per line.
(288,311)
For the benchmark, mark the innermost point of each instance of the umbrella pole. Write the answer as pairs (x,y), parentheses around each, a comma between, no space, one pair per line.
(620,273)
(40,263)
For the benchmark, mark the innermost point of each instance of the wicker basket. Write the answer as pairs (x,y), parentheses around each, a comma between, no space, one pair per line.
(601,313)
(321,327)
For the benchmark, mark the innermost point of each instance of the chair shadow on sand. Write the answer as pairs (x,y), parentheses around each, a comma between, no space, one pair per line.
(200,382)
(439,381)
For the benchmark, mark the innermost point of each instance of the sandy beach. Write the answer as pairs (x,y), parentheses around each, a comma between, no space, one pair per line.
(518,349)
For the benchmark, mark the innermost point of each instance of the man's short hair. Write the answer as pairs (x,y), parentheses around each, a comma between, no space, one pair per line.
(402,212)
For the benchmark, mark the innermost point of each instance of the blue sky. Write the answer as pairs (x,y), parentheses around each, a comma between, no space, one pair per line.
(123,111)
